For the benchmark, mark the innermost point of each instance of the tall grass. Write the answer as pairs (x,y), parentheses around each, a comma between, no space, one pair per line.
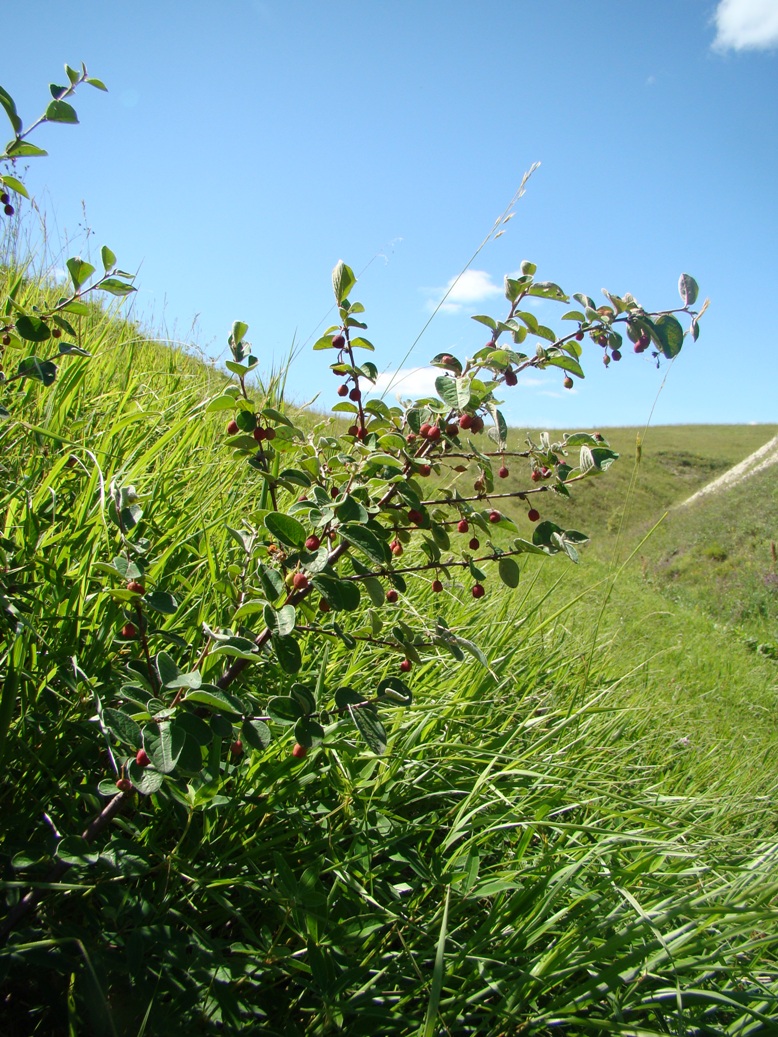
(542,851)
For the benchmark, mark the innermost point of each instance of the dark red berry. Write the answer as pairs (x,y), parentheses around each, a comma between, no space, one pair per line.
(579,335)
(494,516)
(236,749)
(270,433)
(478,590)
(56,332)
(352,430)
(415,517)
(463,526)
(434,433)
(129,630)
(536,476)
(142,758)
(478,424)
(355,394)
(300,581)
(466,421)
(425,430)
(339,341)
(452,430)
(299,751)
(474,544)
(6,340)
(424,469)
(343,389)
(313,543)
(396,548)
(5,198)
(9,210)
(124,785)
(392,596)
(615,355)
(437,586)
(533,514)
(405,666)
(503,472)
(136,587)
(232,428)
(324,605)
(510,377)
(258,434)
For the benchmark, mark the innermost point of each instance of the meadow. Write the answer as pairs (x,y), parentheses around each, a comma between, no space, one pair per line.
(572,831)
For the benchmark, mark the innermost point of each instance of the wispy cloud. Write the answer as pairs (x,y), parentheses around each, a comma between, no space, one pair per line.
(746,25)
(472,287)
(408,382)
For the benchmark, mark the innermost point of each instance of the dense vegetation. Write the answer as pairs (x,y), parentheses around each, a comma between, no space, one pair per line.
(560,819)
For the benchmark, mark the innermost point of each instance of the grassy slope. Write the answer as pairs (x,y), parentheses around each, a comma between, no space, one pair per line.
(587,841)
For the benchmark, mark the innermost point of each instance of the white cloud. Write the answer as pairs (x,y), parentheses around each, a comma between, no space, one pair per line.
(746,25)
(408,382)
(473,286)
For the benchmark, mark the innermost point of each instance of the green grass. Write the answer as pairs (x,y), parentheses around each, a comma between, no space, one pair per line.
(579,839)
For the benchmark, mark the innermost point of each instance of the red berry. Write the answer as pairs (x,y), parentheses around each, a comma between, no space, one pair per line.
(616,355)
(494,516)
(339,341)
(437,586)
(466,421)
(270,433)
(9,210)
(405,666)
(324,605)
(425,430)
(533,515)
(463,526)
(452,430)
(129,630)
(142,758)
(362,433)
(258,434)
(478,590)
(479,485)
(232,428)
(6,340)
(313,543)
(411,437)
(353,430)
(568,383)
(135,587)
(474,544)
(536,476)
(343,389)
(503,472)
(124,785)
(424,469)
(478,424)
(510,377)
(415,517)
(579,335)
(299,751)
(392,596)
(355,394)
(56,332)
(396,548)
(236,748)
(300,581)
(5,198)
(434,433)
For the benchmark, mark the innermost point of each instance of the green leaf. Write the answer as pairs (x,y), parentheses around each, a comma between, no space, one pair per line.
(362,343)
(350,510)
(343,281)
(10,109)
(145,779)
(688,289)
(669,334)
(32,329)
(342,595)
(285,529)
(22,149)
(219,701)
(256,733)
(284,710)
(109,259)
(98,84)
(115,286)
(367,542)
(239,331)
(548,290)
(304,697)
(525,547)
(61,111)
(167,669)
(75,850)
(567,363)
(160,601)
(14,185)
(288,654)
(394,691)
(345,697)
(455,392)
(237,648)
(370,727)
(42,370)
(123,727)
(68,349)
(164,745)
(280,622)
(509,572)
(272,581)
(80,271)
(308,732)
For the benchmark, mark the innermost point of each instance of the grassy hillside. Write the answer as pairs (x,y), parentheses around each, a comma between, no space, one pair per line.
(577,838)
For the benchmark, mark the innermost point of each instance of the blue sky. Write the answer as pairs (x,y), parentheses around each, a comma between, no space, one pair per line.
(244,148)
